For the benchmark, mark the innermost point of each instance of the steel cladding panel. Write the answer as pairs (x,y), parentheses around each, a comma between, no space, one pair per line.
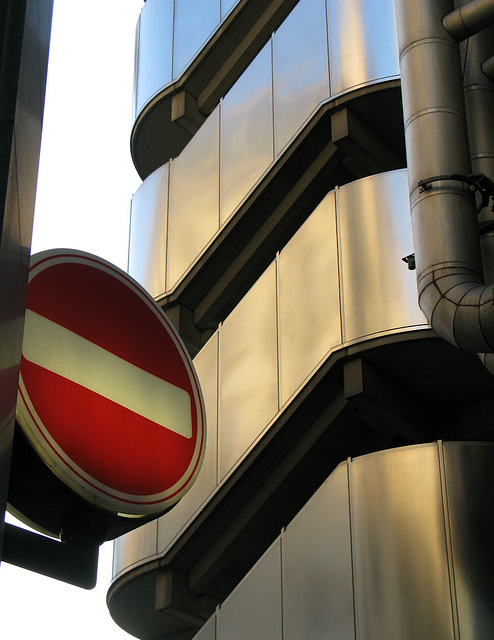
(363,46)
(208,631)
(135,547)
(194,21)
(309,304)
(147,242)
(300,58)
(194,205)
(171,524)
(154,61)
(253,610)
(317,566)
(469,473)
(246,132)
(379,293)
(248,370)
(226,6)
(399,547)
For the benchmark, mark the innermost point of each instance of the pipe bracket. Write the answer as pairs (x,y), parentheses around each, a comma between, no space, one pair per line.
(476,182)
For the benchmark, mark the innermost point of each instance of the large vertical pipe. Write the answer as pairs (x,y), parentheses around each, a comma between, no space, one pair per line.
(479,104)
(449,272)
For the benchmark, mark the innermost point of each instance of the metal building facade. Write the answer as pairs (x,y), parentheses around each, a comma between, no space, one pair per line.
(280,146)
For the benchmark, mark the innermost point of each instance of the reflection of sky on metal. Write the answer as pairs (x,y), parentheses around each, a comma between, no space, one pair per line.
(85,183)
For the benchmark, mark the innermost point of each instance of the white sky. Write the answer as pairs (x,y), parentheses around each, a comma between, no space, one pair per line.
(85,183)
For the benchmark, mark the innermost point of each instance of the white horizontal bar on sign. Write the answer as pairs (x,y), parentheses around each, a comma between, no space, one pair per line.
(67,354)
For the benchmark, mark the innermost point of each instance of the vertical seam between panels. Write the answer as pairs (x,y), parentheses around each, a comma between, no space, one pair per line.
(353,568)
(217,457)
(328,46)
(174,13)
(136,69)
(218,407)
(130,235)
(447,539)
(167,221)
(220,155)
(277,318)
(339,267)
(273,103)
(282,612)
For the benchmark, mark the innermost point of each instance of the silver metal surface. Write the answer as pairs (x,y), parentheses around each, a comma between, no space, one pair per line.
(378,291)
(470,481)
(246,132)
(194,204)
(309,305)
(317,566)
(449,271)
(362,36)
(194,21)
(479,107)
(154,57)
(402,586)
(227,6)
(171,524)
(301,75)
(135,547)
(253,610)
(248,371)
(208,631)
(469,19)
(147,239)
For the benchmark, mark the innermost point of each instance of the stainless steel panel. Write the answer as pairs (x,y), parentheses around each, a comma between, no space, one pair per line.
(171,524)
(194,204)
(400,564)
(363,46)
(227,6)
(317,566)
(248,367)
(147,240)
(253,610)
(301,76)
(208,631)
(379,293)
(470,483)
(134,547)
(154,62)
(309,304)
(246,132)
(194,21)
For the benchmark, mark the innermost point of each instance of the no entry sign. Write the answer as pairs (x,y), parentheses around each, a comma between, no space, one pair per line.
(108,395)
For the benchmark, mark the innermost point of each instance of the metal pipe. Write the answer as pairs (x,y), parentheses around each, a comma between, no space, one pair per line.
(469,19)
(452,294)
(488,67)
(479,107)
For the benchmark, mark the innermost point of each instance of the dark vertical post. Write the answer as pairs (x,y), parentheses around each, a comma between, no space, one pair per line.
(24,41)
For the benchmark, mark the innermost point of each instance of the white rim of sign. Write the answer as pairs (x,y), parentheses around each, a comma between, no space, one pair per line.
(105,497)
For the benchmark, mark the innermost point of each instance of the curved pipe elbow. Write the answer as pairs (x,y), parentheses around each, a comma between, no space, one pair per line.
(460,309)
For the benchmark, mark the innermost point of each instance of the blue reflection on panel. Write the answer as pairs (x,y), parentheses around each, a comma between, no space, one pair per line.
(362,34)
(227,6)
(300,67)
(194,21)
(155,49)
(246,132)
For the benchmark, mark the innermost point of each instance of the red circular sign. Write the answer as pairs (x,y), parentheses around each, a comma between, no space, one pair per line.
(108,395)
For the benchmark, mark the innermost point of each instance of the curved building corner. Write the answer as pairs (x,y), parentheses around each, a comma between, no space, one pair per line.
(345,488)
